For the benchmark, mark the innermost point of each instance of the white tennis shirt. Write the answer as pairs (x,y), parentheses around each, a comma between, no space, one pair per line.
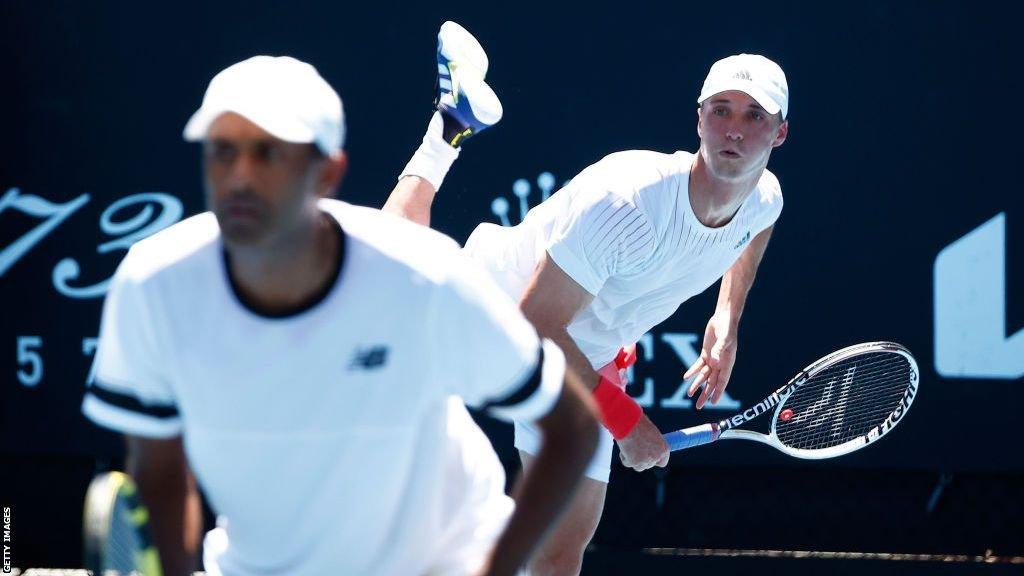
(625,231)
(328,440)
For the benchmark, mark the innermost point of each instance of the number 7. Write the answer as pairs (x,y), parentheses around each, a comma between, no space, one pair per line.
(55,214)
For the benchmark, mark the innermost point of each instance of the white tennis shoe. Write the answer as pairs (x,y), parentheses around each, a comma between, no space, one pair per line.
(466,103)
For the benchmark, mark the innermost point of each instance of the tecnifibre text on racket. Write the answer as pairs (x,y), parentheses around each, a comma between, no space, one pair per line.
(115,529)
(839,404)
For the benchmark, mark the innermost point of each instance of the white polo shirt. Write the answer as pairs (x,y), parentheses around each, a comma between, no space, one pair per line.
(327,440)
(624,230)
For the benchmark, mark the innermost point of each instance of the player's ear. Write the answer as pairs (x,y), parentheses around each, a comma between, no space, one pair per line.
(781,133)
(700,125)
(332,173)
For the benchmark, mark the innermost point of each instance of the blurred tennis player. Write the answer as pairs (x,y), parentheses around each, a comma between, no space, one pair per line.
(301,354)
(619,248)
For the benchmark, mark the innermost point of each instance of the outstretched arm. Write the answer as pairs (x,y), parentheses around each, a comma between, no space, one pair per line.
(550,302)
(718,352)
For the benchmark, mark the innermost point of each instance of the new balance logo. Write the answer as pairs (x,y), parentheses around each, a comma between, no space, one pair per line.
(744,240)
(370,358)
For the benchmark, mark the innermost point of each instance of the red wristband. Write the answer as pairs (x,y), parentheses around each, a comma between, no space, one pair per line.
(619,412)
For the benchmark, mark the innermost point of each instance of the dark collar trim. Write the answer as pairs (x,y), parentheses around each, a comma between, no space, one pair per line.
(303,307)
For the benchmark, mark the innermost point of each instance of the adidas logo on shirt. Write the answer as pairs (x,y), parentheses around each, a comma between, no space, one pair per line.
(370,358)
(744,240)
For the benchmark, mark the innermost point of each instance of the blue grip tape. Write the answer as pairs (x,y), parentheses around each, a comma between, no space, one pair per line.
(693,436)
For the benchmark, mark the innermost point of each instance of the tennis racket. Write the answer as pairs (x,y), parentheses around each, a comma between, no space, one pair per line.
(115,529)
(841,403)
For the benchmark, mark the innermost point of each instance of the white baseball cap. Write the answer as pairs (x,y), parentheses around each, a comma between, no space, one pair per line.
(757,76)
(282,95)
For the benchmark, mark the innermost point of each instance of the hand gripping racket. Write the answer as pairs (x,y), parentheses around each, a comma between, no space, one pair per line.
(839,404)
(115,529)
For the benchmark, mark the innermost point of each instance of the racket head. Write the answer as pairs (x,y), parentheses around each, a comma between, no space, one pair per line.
(845,401)
(115,528)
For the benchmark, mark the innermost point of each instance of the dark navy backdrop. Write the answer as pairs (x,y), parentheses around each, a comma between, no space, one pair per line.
(903,139)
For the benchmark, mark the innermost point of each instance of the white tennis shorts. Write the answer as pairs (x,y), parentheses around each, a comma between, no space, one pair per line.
(490,246)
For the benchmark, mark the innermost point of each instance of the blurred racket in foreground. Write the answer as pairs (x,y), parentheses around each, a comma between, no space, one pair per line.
(115,529)
(839,404)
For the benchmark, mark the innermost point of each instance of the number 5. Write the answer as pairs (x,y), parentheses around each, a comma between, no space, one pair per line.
(31,357)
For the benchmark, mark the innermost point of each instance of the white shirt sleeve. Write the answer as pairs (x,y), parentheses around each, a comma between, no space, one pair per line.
(131,393)
(769,193)
(600,235)
(487,352)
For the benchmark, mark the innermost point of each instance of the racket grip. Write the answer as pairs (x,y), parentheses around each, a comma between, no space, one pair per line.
(692,436)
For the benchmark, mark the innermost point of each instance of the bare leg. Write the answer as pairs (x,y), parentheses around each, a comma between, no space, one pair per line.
(411,199)
(421,179)
(561,553)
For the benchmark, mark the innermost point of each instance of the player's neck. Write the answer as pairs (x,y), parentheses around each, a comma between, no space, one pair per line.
(291,272)
(716,200)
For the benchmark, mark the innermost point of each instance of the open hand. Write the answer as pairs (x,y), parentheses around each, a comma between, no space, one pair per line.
(714,367)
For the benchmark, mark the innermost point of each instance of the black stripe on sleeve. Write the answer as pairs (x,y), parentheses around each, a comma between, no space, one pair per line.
(525,390)
(132,404)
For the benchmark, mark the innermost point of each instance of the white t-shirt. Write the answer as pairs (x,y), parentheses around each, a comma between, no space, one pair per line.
(624,230)
(327,440)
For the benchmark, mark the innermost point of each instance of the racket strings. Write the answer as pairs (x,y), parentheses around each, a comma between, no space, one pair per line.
(881,390)
(877,398)
(871,379)
(124,541)
(831,420)
(844,401)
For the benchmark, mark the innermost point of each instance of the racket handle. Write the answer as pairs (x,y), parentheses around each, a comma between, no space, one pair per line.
(692,436)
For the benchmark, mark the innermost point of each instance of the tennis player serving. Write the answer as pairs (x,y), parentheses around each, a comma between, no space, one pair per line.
(304,357)
(619,248)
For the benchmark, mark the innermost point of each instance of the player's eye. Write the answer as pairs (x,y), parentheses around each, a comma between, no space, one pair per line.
(221,152)
(719,111)
(757,115)
(267,152)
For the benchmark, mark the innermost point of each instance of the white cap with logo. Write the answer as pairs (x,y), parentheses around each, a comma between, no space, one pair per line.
(757,76)
(282,95)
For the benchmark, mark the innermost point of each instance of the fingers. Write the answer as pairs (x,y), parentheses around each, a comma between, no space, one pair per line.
(711,384)
(663,461)
(638,466)
(648,464)
(694,368)
(700,378)
(703,397)
(712,381)
(644,465)
(723,381)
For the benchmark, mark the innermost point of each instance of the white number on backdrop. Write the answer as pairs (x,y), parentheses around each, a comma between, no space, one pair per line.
(129,230)
(54,215)
(28,356)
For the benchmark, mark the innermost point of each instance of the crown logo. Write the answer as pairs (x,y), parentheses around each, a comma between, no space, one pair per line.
(522,189)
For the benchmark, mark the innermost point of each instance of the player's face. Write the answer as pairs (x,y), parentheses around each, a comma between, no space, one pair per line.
(259,187)
(737,135)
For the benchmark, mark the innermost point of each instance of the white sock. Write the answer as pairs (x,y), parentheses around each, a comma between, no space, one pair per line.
(434,157)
